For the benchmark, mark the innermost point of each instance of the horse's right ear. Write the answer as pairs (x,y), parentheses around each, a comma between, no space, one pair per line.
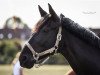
(42,12)
(53,13)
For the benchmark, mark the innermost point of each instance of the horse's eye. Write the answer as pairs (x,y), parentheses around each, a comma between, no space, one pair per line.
(45,30)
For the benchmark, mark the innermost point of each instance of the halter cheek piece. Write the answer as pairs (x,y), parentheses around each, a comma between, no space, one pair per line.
(51,50)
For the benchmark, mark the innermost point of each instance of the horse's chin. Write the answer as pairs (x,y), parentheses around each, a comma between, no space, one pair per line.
(28,66)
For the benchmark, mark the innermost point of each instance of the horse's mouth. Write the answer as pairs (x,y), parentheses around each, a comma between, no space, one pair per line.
(28,65)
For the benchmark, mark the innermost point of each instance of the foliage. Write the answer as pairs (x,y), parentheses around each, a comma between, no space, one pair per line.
(8,50)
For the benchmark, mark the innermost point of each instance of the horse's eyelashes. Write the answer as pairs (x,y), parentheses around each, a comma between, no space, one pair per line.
(46,30)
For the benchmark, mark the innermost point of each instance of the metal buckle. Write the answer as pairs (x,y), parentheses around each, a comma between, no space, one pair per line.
(36,56)
(59,37)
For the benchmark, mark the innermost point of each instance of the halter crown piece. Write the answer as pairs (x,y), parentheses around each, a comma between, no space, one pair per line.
(51,50)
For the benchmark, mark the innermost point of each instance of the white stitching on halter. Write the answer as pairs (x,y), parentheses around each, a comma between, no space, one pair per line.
(51,50)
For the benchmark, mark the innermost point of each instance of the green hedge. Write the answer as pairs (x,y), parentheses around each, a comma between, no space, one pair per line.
(8,50)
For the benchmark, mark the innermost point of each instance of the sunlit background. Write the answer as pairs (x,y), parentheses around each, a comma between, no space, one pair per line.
(84,12)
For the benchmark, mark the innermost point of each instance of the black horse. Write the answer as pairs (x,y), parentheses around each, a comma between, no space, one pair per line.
(53,34)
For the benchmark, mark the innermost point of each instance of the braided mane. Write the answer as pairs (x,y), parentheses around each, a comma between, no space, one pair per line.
(81,32)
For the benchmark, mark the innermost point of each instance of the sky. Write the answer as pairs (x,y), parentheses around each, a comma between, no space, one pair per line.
(84,12)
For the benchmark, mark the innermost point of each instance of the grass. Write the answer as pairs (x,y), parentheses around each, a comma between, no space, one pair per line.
(43,70)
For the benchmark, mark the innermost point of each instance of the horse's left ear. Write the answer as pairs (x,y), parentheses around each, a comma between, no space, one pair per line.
(42,12)
(52,12)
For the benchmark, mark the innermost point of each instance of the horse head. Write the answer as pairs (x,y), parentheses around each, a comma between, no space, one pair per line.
(44,41)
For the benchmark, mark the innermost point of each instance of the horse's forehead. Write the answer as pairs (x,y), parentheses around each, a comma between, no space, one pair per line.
(38,24)
(41,21)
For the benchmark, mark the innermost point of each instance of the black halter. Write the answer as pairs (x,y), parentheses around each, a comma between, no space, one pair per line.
(49,51)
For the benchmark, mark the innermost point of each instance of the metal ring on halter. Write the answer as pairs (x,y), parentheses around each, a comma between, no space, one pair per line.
(36,56)
(59,37)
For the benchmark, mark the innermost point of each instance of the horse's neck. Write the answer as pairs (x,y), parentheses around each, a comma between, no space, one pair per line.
(80,55)
(81,32)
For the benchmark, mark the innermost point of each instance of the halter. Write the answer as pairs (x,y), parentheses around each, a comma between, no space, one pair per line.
(54,49)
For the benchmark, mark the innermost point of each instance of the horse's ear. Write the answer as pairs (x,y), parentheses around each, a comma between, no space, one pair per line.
(52,12)
(42,12)
(61,16)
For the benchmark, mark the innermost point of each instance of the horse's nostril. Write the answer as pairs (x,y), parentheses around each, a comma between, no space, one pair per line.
(24,58)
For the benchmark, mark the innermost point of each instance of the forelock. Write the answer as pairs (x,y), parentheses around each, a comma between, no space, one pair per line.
(40,22)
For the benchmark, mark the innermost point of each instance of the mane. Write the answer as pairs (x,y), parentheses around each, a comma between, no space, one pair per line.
(39,24)
(81,32)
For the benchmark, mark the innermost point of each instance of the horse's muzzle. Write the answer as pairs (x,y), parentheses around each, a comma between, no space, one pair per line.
(26,62)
